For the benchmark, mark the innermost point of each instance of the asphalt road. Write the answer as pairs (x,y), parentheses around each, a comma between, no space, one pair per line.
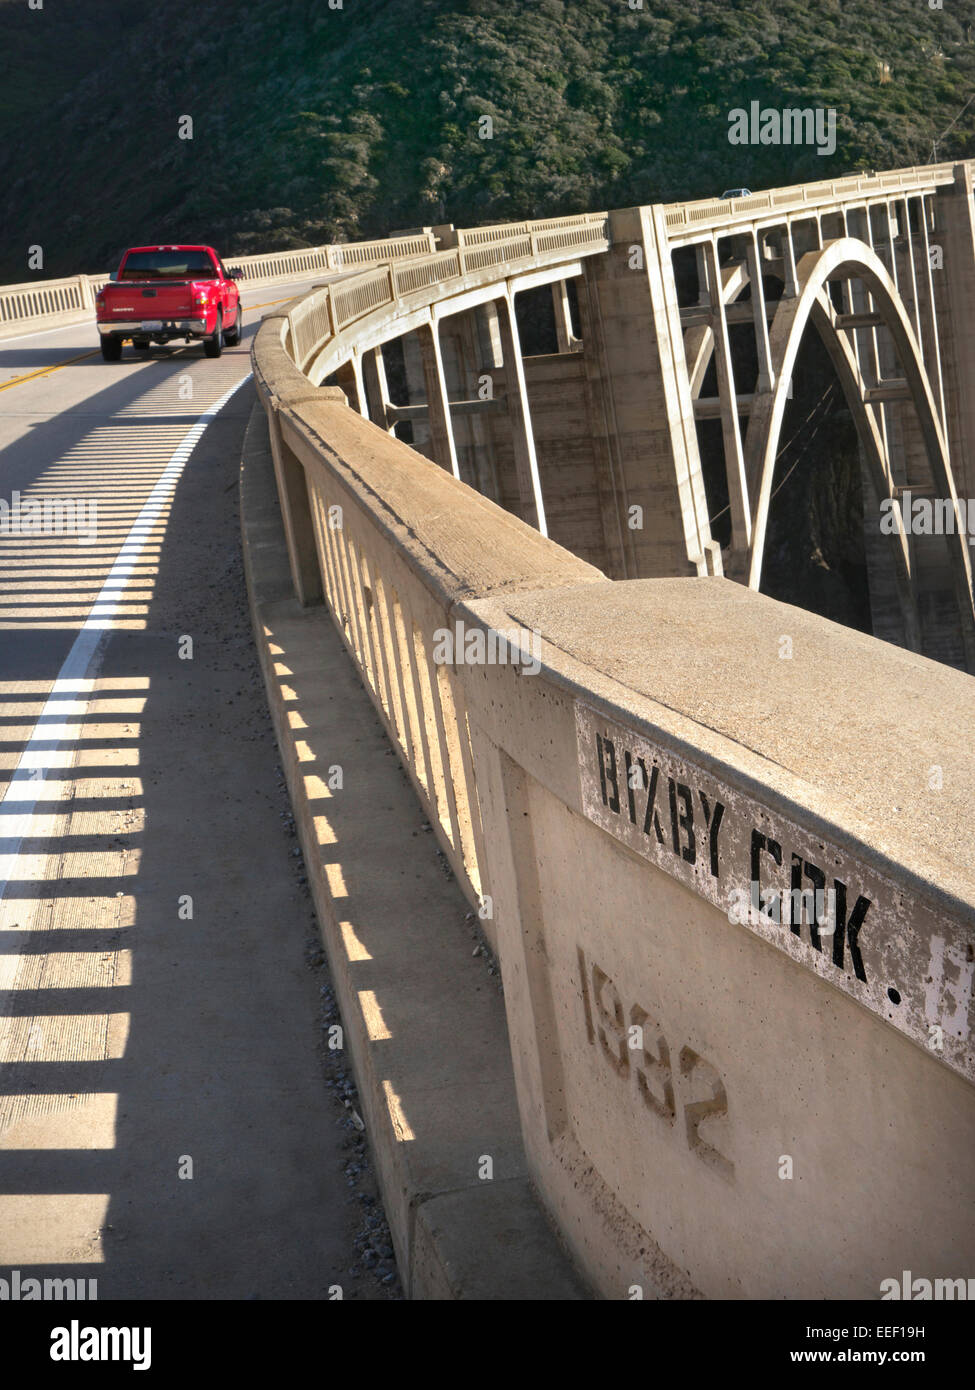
(172,1123)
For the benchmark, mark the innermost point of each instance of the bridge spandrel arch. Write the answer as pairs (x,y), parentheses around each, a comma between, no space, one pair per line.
(699,339)
(870,436)
(849,259)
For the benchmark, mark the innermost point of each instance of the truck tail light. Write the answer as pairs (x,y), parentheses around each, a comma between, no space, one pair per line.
(201,297)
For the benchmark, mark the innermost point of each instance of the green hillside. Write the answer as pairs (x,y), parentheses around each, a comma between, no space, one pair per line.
(312,123)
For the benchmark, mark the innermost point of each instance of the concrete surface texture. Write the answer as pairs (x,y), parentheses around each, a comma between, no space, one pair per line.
(768,1056)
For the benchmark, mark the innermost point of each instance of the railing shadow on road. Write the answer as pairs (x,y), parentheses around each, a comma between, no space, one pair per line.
(160,1021)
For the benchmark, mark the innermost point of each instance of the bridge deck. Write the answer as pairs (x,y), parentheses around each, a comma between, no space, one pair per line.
(134,1038)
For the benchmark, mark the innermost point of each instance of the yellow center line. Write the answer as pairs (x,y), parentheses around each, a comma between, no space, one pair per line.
(45,370)
(268,302)
(56,367)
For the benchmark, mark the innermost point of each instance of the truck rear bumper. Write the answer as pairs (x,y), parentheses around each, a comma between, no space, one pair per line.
(168,328)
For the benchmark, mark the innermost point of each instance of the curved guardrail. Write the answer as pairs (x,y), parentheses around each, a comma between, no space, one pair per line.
(706,213)
(375,608)
(666,1059)
(48,299)
(42,303)
(317,321)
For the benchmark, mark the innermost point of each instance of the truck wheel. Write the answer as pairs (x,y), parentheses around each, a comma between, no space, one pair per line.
(213,346)
(234,336)
(112,349)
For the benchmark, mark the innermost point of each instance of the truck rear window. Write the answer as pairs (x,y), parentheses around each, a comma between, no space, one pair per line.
(168,265)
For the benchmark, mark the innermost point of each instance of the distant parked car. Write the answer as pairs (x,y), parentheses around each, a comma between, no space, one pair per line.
(737,193)
(162,293)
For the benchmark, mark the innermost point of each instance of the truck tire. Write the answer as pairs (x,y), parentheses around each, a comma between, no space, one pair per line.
(111,349)
(234,336)
(213,346)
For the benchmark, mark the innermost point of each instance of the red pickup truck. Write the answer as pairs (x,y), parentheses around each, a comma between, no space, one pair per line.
(162,293)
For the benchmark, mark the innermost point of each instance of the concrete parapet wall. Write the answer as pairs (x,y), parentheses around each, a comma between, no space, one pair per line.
(399,543)
(38,303)
(745,1102)
(46,303)
(717,212)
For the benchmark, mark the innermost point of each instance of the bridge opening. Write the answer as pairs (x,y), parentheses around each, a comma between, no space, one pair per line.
(711,449)
(815,547)
(688,279)
(394,362)
(536,321)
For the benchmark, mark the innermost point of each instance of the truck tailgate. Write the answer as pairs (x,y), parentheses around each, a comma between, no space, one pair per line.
(137,303)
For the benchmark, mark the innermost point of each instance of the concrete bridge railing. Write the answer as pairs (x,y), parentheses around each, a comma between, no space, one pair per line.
(718,212)
(390,601)
(722,847)
(316,321)
(39,304)
(53,302)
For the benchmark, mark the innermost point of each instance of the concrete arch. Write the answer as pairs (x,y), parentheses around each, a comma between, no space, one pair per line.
(699,340)
(851,381)
(699,350)
(848,258)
